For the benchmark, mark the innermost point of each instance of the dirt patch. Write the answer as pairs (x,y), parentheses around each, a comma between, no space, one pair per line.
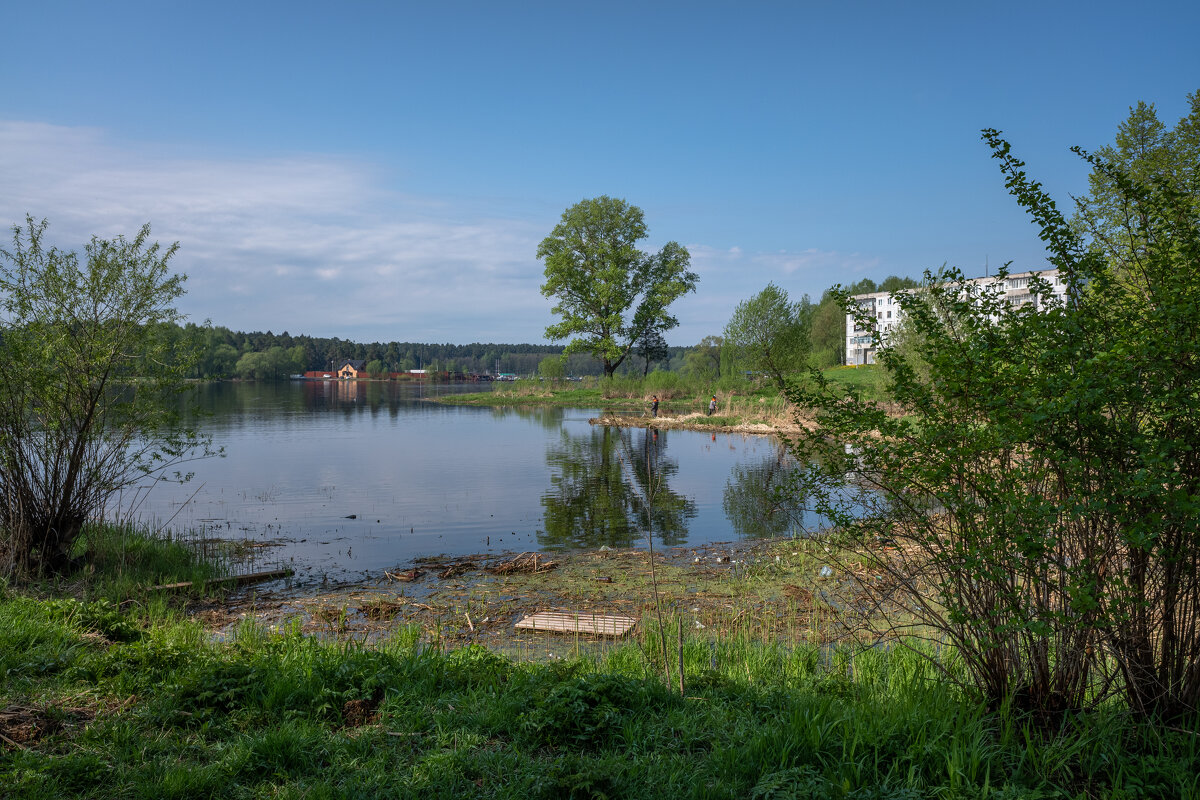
(24,726)
(356,713)
(700,422)
(774,590)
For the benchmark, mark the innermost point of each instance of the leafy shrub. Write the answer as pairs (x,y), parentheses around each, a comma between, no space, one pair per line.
(100,616)
(586,712)
(1041,478)
(475,665)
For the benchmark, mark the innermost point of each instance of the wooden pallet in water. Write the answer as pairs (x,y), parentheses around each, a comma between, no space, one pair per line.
(578,622)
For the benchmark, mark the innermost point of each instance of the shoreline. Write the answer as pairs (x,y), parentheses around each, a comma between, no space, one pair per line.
(739,413)
(772,584)
(696,421)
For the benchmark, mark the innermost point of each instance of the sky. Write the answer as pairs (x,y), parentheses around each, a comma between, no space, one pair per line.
(383,171)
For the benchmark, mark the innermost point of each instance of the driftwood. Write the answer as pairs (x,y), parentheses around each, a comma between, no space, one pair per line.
(454,570)
(526,562)
(236,580)
(408,576)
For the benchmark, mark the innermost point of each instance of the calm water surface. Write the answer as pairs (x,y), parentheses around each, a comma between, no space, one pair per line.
(423,478)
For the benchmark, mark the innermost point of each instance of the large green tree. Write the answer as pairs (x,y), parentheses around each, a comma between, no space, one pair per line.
(1148,152)
(704,360)
(768,333)
(86,385)
(609,293)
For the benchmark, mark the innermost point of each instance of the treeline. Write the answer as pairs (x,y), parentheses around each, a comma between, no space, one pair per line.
(773,337)
(224,353)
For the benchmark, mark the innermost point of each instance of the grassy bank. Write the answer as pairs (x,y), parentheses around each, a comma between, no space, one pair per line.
(108,698)
(117,562)
(742,405)
(155,708)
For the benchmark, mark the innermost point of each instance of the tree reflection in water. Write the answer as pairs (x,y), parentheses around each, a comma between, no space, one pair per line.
(549,418)
(600,485)
(759,499)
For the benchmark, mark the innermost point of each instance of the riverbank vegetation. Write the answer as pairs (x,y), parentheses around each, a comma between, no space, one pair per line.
(135,699)
(87,392)
(743,403)
(1041,480)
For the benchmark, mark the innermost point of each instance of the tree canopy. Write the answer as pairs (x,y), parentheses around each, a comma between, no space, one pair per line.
(770,334)
(1146,151)
(609,293)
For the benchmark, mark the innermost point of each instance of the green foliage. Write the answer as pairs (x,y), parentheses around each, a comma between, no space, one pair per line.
(651,348)
(266,715)
(551,368)
(609,293)
(589,711)
(1038,467)
(87,385)
(1146,152)
(666,385)
(101,616)
(274,364)
(770,334)
(828,334)
(704,360)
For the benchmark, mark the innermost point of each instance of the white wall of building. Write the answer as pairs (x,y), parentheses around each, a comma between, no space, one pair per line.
(860,346)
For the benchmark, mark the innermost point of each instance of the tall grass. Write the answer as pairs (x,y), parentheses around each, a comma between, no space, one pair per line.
(168,712)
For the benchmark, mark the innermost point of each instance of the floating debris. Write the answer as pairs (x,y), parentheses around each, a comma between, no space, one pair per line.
(525,562)
(454,570)
(407,576)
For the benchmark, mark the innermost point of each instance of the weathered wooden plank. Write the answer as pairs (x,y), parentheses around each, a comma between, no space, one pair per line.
(237,580)
(578,622)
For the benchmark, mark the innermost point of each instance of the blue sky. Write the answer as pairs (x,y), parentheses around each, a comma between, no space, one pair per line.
(381,171)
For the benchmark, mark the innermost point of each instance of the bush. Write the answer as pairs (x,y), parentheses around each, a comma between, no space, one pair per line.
(86,386)
(1041,479)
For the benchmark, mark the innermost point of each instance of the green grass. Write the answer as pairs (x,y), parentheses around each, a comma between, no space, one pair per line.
(117,562)
(740,402)
(869,381)
(163,711)
(101,699)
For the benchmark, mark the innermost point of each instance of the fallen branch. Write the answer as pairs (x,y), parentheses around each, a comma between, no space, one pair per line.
(525,562)
(236,580)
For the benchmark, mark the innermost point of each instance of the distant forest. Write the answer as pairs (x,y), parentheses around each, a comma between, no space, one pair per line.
(224,353)
(265,356)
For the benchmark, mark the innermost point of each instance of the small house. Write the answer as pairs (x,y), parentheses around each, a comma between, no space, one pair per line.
(351,369)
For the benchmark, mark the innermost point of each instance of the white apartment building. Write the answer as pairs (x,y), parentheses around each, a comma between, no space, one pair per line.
(860,347)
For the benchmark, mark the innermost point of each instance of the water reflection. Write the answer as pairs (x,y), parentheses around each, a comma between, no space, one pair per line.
(758,500)
(362,476)
(608,486)
(549,418)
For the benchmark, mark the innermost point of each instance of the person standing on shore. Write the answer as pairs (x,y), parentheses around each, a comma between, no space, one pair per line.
(654,405)
(712,406)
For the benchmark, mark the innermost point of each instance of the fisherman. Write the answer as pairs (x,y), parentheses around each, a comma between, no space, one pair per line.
(712,406)
(654,405)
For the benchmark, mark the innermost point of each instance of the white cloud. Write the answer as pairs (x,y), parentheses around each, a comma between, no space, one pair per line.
(306,244)
(318,245)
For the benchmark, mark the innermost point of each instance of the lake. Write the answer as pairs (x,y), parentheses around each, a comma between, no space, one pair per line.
(341,479)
